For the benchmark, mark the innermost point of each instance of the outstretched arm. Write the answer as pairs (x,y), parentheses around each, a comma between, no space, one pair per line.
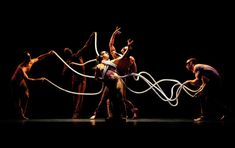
(112,48)
(88,42)
(25,75)
(42,56)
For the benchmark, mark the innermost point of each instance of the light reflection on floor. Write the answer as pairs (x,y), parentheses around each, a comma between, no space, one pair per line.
(129,123)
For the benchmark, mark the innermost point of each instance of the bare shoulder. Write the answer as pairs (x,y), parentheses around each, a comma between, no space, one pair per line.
(100,66)
(33,60)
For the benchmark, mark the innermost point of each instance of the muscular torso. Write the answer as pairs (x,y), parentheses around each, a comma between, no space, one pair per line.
(18,79)
(123,66)
(106,72)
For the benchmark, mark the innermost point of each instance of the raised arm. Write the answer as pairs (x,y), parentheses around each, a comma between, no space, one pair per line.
(126,52)
(129,48)
(88,42)
(42,56)
(112,48)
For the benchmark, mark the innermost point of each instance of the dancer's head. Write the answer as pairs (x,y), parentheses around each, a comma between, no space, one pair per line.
(190,63)
(68,53)
(104,55)
(27,56)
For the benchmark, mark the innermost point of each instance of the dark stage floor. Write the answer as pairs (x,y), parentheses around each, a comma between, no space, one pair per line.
(143,130)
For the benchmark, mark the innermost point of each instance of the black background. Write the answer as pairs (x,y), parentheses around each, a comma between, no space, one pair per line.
(164,35)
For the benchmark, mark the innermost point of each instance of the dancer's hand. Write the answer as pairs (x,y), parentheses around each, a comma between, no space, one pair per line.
(43,79)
